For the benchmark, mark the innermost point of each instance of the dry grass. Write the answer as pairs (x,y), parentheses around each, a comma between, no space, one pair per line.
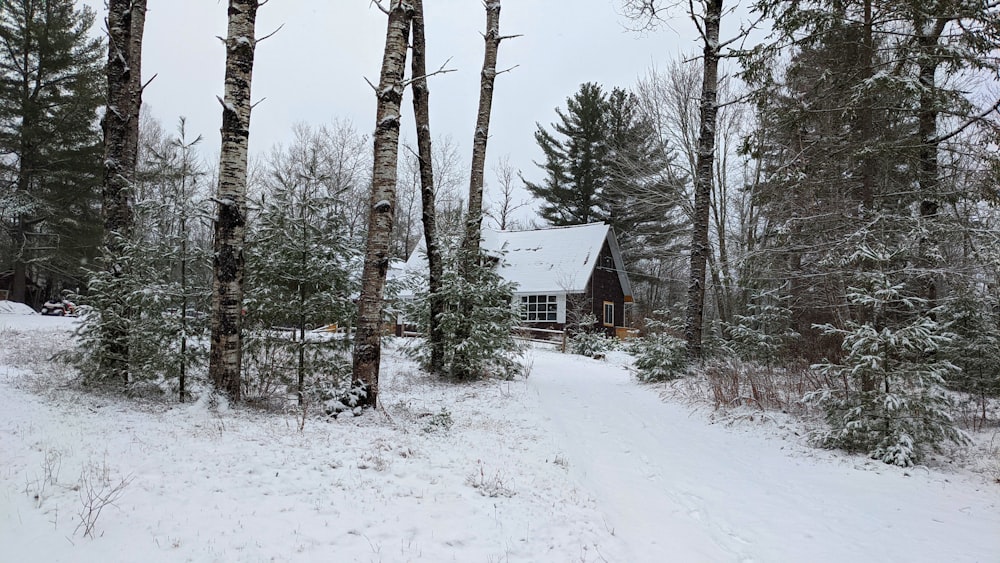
(733,383)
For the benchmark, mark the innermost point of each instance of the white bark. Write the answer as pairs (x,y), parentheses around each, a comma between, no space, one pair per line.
(230,223)
(382,210)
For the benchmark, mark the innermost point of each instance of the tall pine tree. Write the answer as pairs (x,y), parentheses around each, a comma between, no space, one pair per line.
(50,90)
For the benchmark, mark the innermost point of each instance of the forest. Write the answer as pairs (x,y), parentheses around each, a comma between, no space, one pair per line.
(807,210)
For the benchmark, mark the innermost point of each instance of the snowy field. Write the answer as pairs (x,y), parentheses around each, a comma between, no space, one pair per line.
(577,463)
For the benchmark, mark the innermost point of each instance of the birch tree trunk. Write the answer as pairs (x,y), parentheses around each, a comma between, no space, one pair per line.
(474,218)
(126,22)
(382,208)
(421,110)
(231,208)
(710,21)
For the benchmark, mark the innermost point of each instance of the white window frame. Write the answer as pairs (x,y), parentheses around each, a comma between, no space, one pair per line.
(535,310)
(609,305)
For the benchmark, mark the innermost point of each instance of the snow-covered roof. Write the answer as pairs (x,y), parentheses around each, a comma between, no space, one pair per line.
(552,260)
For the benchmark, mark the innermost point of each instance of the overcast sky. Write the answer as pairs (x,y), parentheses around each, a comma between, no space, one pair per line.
(313,70)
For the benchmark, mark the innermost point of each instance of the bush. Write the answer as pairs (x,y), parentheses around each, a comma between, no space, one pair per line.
(590,344)
(659,357)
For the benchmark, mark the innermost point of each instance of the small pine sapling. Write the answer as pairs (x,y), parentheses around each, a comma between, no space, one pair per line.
(886,396)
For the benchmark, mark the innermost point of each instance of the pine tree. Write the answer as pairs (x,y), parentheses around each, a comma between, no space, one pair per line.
(299,270)
(850,133)
(169,271)
(764,333)
(576,160)
(50,90)
(885,397)
(476,324)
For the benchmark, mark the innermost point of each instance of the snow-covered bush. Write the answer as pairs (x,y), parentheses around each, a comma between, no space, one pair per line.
(886,396)
(591,344)
(659,357)
(763,333)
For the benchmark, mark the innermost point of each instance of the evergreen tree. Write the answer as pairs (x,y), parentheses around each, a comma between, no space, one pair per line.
(885,397)
(50,90)
(299,271)
(764,332)
(476,324)
(576,160)
(864,123)
(169,274)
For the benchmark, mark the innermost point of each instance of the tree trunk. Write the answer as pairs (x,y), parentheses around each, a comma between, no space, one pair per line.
(421,110)
(703,179)
(474,219)
(928,57)
(126,22)
(230,222)
(382,205)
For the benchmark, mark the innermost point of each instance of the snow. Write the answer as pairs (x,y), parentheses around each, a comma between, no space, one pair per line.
(552,260)
(15,308)
(576,463)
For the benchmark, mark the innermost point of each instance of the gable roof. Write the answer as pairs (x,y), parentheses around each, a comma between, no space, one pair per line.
(551,260)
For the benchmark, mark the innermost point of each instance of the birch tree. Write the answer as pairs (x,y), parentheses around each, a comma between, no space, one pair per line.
(231,206)
(126,22)
(474,218)
(389,94)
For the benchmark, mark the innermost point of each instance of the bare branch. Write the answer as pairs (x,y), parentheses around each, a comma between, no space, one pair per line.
(441,70)
(971,121)
(143,87)
(269,35)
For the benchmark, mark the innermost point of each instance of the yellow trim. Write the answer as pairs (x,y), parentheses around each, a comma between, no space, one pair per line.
(605,313)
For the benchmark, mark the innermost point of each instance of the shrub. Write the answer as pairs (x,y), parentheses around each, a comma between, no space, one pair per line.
(659,357)
(590,343)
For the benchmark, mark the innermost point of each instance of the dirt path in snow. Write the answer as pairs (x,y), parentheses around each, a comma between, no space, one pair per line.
(674,488)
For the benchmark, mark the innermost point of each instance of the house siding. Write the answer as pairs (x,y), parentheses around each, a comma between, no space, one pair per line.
(605,286)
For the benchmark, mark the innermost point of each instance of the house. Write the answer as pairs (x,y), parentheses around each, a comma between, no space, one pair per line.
(559,273)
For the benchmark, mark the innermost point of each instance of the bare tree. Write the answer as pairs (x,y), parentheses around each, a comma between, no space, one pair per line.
(707,16)
(421,110)
(492,38)
(126,22)
(231,209)
(507,203)
(368,343)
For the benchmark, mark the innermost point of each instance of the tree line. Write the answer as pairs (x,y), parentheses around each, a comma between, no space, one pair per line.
(823,192)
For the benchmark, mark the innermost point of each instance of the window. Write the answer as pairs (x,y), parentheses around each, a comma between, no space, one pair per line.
(609,313)
(539,308)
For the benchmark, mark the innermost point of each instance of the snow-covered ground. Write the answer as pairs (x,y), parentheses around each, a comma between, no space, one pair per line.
(578,463)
